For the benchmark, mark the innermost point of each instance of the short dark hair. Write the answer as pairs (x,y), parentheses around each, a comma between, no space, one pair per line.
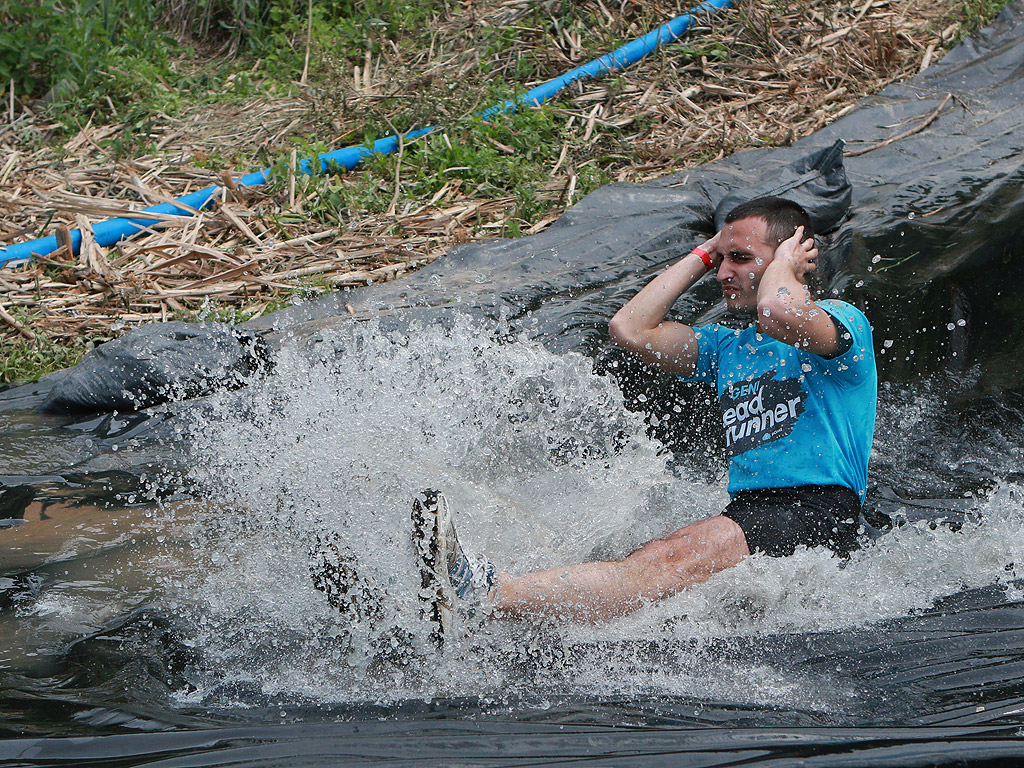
(781,215)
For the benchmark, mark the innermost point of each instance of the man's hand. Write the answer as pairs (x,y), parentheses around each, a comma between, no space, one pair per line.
(798,254)
(711,246)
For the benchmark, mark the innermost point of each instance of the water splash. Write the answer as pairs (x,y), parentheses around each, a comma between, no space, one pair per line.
(538,455)
(544,465)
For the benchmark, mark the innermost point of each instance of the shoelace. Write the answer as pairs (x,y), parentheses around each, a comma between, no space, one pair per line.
(472,576)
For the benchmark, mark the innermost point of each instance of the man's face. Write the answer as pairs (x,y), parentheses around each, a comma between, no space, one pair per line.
(746,252)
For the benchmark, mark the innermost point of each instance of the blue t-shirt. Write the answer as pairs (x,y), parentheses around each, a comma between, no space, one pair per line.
(792,417)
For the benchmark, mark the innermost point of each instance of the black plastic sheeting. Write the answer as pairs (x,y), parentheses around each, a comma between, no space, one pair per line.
(156,364)
(517,743)
(933,247)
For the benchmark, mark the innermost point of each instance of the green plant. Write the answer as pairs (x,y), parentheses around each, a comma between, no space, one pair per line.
(975,14)
(215,312)
(29,360)
(686,52)
(508,156)
(29,40)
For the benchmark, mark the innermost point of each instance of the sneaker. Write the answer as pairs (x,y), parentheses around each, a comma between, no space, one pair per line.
(333,574)
(447,573)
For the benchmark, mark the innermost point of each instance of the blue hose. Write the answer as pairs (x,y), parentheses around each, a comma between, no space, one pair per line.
(114,230)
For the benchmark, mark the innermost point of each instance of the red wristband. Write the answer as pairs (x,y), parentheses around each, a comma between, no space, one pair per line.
(705,257)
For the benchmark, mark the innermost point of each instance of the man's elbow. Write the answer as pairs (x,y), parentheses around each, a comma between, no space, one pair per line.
(776,318)
(773,312)
(620,329)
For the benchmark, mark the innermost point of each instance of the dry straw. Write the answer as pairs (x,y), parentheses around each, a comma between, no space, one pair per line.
(781,72)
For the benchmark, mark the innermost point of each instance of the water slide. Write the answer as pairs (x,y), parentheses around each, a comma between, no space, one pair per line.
(184,630)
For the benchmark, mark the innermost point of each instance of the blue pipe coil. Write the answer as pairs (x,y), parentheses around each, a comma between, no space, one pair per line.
(114,230)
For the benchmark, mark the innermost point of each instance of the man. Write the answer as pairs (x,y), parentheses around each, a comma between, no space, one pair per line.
(797,391)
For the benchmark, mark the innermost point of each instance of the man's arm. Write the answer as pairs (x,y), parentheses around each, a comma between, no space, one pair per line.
(640,326)
(785,309)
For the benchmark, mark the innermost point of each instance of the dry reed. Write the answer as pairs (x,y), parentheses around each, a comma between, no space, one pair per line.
(768,74)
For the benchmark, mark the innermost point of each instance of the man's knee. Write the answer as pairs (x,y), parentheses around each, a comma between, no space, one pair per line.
(691,554)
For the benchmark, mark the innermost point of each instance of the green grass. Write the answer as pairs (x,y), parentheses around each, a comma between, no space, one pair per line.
(120,60)
(24,360)
(233,314)
(975,14)
(508,156)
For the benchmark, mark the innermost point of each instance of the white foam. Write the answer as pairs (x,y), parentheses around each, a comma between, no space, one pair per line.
(544,466)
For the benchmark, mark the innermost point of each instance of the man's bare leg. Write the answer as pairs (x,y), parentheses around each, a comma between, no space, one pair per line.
(596,591)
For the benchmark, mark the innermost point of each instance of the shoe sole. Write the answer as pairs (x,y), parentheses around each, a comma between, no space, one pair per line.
(431,519)
(333,574)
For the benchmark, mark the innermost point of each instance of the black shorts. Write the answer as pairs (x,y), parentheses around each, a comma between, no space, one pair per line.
(778,520)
